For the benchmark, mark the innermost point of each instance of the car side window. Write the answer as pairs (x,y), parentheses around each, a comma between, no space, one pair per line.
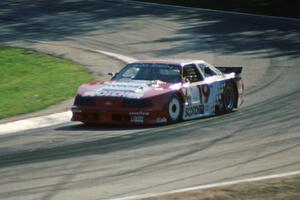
(191,73)
(206,70)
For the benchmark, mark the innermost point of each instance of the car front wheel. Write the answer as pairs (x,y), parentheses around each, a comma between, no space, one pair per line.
(174,109)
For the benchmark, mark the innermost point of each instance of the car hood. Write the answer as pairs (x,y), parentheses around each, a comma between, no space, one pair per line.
(134,89)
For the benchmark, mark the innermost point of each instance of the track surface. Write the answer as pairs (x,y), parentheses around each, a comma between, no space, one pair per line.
(72,161)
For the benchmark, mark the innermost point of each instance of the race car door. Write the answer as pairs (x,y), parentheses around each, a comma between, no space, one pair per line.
(193,105)
(211,88)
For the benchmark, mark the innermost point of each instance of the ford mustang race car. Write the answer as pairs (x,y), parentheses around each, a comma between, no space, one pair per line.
(150,92)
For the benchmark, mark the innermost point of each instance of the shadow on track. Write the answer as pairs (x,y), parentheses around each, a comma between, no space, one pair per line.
(106,127)
(226,34)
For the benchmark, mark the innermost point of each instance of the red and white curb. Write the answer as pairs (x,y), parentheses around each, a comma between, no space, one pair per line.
(213,185)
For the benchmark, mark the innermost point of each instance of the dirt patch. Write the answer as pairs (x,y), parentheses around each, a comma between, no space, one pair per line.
(275,189)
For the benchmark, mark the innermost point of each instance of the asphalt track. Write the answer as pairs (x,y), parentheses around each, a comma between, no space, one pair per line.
(71,161)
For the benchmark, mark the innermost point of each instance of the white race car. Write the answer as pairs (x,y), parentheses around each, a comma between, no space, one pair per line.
(160,91)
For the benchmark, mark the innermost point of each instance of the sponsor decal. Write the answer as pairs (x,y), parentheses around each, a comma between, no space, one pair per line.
(137,119)
(110,93)
(161,119)
(136,86)
(139,113)
(195,110)
(121,89)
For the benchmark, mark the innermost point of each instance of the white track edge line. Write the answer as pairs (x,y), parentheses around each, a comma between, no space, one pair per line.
(35,122)
(120,57)
(56,118)
(213,185)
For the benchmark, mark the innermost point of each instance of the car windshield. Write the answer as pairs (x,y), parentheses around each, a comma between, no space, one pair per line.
(150,71)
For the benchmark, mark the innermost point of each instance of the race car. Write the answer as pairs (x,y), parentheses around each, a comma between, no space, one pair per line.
(160,91)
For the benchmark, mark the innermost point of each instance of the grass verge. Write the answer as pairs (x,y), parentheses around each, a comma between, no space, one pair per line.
(31,81)
(263,7)
(275,189)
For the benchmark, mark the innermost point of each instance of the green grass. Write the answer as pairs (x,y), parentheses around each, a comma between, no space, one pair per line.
(31,81)
(264,7)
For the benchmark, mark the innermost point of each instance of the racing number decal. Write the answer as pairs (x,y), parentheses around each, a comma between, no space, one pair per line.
(207,96)
(206,92)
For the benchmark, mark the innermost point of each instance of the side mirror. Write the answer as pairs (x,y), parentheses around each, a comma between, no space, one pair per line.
(113,75)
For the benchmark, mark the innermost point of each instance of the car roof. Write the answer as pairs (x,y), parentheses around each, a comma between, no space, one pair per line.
(180,62)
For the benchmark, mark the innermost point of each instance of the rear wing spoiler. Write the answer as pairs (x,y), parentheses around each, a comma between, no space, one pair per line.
(228,70)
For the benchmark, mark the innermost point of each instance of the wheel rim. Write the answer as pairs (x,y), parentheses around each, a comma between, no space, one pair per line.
(174,109)
(229,98)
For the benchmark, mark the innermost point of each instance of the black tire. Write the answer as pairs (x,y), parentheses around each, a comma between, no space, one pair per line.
(229,98)
(174,109)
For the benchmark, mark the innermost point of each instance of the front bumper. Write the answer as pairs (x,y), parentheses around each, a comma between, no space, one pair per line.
(121,117)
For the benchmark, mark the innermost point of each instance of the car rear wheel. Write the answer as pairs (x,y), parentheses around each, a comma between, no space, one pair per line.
(229,98)
(174,109)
